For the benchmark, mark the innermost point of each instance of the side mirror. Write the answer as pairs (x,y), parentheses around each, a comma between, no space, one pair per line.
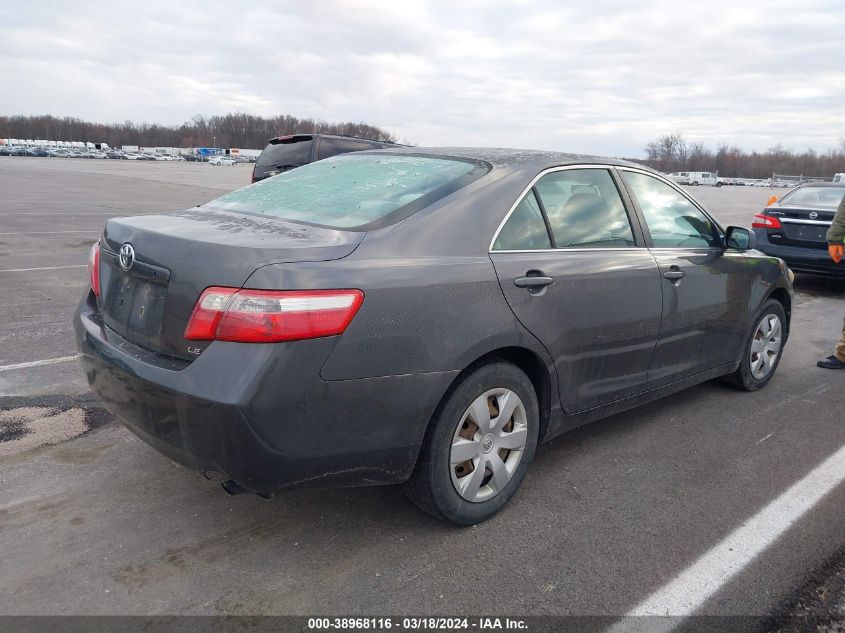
(740,238)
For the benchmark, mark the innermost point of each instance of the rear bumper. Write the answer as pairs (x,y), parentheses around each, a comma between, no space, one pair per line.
(260,414)
(805,260)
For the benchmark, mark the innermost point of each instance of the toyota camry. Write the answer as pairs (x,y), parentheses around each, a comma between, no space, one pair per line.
(423,317)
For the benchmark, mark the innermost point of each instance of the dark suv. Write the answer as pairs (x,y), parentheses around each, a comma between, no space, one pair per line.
(288,152)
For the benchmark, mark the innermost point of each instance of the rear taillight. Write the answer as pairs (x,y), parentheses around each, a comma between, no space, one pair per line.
(94,268)
(271,316)
(763,221)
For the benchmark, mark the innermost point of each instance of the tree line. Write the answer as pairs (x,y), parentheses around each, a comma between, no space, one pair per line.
(672,153)
(228,130)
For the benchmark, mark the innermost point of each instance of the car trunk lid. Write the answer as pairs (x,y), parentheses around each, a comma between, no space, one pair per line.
(801,226)
(177,256)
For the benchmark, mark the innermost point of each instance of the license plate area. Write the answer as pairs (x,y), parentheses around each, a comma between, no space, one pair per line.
(806,232)
(134,307)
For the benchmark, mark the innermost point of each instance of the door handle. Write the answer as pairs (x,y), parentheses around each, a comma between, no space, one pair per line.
(674,274)
(533,282)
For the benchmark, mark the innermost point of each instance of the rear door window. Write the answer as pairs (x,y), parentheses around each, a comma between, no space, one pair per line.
(525,229)
(585,209)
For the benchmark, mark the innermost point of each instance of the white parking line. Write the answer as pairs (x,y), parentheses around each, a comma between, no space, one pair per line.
(38,363)
(688,591)
(71,214)
(48,232)
(26,270)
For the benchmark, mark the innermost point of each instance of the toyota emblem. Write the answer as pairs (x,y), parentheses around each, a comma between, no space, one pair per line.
(127,256)
(813,215)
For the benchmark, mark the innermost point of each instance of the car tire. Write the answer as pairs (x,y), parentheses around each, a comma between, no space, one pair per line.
(458,428)
(695,184)
(748,376)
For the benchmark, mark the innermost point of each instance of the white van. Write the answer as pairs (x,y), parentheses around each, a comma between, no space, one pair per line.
(703,178)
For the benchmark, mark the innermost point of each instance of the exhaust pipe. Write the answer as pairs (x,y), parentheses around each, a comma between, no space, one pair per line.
(231,487)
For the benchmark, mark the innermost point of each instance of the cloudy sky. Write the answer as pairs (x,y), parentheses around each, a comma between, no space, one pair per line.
(598,76)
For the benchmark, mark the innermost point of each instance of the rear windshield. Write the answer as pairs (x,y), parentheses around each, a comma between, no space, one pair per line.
(354,191)
(285,154)
(823,197)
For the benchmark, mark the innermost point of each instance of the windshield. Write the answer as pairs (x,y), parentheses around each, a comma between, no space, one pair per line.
(823,197)
(353,190)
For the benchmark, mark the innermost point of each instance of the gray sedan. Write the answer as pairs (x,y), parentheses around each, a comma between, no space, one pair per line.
(423,317)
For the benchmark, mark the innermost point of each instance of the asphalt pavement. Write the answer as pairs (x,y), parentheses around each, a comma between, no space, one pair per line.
(608,516)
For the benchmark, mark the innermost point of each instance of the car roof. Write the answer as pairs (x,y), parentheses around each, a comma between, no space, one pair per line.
(511,158)
(823,183)
(308,135)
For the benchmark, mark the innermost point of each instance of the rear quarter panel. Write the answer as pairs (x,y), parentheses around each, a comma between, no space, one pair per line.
(420,314)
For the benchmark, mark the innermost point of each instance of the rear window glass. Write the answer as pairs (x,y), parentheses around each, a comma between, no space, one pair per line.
(284,154)
(825,197)
(353,190)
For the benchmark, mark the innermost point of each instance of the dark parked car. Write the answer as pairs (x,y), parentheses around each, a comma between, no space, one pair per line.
(794,228)
(419,316)
(289,152)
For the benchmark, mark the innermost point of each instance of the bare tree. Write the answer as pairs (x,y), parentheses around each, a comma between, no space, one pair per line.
(670,152)
(236,129)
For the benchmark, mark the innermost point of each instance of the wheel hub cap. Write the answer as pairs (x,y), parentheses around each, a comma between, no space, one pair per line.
(765,346)
(488,444)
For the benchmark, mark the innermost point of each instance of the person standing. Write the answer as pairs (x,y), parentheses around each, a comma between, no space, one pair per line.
(836,248)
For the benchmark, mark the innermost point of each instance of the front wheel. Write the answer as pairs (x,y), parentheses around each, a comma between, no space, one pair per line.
(762,350)
(478,447)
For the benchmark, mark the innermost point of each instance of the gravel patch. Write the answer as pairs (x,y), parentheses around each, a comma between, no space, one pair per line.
(818,606)
(28,423)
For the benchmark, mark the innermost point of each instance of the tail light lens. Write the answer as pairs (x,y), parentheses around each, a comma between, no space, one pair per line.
(271,316)
(763,221)
(94,268)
